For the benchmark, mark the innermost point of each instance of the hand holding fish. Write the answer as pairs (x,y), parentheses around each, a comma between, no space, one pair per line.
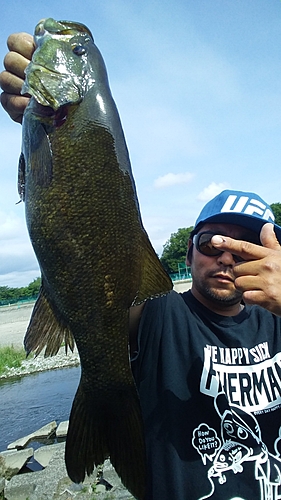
(21,47)
(257,275)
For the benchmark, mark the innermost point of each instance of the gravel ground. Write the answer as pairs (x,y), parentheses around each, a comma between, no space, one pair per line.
(14,320)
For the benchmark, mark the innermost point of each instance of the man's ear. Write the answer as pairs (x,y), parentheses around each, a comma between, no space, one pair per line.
(189,252)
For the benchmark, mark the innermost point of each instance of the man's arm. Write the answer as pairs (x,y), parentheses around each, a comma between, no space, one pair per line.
(259,276)
(21,48)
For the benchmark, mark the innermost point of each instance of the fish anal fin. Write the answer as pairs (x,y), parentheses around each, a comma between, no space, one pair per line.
(98,431)
(154,279)
(46,329)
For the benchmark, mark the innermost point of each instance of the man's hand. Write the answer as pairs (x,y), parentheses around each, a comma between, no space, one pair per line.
(21,48)
(259,276)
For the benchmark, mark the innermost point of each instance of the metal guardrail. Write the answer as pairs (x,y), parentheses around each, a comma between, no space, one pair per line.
(17,302)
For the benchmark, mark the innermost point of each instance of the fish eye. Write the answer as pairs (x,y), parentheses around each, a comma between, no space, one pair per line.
(79,50)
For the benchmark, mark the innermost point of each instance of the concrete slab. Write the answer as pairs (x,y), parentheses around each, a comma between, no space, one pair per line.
(44,432)
(11,462)
(44,454)
(62,429)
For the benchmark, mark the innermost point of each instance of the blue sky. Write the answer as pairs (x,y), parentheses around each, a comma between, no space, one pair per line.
(198,87)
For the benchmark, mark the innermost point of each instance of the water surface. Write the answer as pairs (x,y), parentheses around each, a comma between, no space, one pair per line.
(29,402)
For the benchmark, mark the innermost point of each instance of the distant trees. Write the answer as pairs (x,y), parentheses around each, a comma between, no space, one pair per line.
(174,250)
(276,209)
(12,295)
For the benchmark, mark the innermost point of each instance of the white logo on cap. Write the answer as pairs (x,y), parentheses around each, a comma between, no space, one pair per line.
(250,208)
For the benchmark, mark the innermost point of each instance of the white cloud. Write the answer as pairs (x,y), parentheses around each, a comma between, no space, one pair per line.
(173,179)
(17,279)
(18,265)
(212,190)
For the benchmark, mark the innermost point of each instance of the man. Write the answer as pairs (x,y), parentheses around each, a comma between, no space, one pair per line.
(207,363)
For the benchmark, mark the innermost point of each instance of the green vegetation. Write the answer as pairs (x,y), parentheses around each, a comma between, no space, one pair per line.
(276,209)
(174,250)
(10,357)
(12,295)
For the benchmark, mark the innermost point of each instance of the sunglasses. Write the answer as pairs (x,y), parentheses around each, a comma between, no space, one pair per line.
(203,244)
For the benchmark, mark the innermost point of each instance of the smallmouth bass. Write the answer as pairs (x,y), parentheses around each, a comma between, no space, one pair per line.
(95,257)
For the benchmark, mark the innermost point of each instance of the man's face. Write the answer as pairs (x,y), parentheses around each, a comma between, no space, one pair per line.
(212,276)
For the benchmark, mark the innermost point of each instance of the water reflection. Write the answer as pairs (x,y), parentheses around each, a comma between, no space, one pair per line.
(29,402)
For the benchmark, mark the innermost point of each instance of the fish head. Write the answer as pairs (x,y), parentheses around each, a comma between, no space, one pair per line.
(63,66)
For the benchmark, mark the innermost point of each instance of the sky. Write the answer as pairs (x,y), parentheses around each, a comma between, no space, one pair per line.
(198,88)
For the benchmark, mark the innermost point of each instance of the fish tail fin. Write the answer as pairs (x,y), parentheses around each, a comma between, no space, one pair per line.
(100,429)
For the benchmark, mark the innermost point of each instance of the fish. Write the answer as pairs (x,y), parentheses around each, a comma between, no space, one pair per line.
(95,257)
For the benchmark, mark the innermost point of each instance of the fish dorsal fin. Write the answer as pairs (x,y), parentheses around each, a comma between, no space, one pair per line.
(46,329)
(154,279)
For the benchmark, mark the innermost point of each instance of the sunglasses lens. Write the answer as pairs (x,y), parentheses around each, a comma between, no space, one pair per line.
(204,244)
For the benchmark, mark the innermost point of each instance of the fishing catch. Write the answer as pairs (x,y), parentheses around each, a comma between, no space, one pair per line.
(95,257)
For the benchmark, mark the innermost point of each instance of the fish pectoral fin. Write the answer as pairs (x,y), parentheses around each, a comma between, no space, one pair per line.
(103,426)
(154,279)
(42,158)
(46,329)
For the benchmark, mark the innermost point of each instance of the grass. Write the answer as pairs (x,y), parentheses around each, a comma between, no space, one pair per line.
(11,357)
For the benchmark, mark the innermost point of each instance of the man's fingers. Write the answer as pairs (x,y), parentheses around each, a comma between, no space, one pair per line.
(253,297)
(10,83)
(14,105)
(244,249)
(22,43)
(16,63)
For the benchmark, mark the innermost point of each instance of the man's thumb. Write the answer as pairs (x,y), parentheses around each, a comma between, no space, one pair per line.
(268,237)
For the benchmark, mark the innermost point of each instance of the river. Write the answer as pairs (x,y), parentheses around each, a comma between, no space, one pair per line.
(29,402)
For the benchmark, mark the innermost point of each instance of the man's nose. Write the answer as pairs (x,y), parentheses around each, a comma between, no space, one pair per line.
(226,258)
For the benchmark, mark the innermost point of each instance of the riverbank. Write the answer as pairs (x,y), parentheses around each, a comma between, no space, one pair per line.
(14,320)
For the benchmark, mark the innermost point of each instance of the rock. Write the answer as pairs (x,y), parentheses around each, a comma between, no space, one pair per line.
(100,488)
(44,454)
(11,462)
(110,475)
(42,484)
(2,485)
(22,490)
(62,429)
(51,483)
(44,432)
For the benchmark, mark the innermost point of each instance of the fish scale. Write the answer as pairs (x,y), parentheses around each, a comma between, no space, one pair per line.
(95,257)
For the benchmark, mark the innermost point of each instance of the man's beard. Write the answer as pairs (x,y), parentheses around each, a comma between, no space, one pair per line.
(214,296)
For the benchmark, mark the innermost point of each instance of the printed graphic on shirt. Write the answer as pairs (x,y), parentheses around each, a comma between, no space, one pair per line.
(250,378)
(240,381)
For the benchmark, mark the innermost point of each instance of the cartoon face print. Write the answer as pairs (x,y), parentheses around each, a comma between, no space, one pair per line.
(241,439)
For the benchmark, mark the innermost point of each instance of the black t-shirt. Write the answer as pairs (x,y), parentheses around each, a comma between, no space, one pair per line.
(210,390)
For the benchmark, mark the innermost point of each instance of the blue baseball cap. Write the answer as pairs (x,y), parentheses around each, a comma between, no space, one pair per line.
(238,207)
